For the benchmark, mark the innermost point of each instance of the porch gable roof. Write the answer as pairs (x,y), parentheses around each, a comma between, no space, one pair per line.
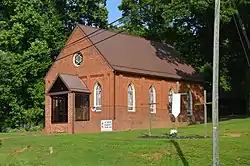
(72,82)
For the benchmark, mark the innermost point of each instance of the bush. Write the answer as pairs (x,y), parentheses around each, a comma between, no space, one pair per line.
(35,128)
(26,128)
(10,130)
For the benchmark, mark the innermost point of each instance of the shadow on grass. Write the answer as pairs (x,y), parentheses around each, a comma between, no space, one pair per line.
(228,118)
(180,153)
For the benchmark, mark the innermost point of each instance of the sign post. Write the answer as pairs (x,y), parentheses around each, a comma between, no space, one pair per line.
(150,120)
(205,112)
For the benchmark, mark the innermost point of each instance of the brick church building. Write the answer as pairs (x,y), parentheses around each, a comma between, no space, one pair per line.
(104,75)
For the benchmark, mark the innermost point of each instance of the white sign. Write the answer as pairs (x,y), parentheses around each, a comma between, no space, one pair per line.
(106,125)
(176,105)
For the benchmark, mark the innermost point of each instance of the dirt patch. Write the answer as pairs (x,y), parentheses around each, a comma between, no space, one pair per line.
(18,151)
(4,138)
(39,133)
(21,150)
(155,155)
(152,156)
(233,134)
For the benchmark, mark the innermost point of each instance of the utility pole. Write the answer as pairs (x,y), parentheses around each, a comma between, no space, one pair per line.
(216,83)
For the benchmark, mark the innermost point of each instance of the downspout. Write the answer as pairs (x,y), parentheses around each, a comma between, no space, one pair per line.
(114,96)
(73,113)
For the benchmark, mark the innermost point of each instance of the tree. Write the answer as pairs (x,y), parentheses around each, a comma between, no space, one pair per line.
(31,34)
(87,12)
(188,26)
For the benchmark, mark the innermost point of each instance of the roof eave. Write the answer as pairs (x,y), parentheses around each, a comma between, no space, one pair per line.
(161,77)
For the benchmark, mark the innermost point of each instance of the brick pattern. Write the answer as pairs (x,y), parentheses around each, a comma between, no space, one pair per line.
(114,94)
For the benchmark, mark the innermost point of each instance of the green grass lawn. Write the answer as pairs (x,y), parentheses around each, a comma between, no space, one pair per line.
(124,149)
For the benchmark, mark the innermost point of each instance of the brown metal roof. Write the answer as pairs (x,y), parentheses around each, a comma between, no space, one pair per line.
(134,54)
(72,82)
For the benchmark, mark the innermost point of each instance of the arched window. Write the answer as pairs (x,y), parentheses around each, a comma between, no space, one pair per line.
(170,100)
(97,96)
(131,97)
(152,99)
(189,103)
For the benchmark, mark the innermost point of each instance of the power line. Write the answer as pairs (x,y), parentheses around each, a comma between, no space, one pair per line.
(243,31)
(101,29)
(97,34)
(243,46)
(94,32)
(92,44)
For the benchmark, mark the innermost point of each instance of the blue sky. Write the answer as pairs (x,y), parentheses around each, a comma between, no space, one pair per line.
(114,12)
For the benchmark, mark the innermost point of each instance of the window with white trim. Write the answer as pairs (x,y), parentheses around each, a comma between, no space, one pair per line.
(97,97)
(77,59)
(131,97)
(170,100)
(152,99)
(189,103)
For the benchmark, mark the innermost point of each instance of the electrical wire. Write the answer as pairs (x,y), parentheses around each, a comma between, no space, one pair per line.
(88,36)
(92,44)
(243,31)
(244,49)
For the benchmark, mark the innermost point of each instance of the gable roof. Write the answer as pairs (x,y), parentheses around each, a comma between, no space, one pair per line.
(72,82)
(132,54)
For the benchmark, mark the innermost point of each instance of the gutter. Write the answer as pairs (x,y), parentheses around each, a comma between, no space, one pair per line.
(181,78)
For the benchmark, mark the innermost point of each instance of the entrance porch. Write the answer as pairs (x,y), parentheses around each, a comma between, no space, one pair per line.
(67,101)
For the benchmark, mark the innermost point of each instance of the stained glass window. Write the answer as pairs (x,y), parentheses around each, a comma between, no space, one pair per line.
(78,59)
(170,100)
(131,97)
(98,96)
(152,99)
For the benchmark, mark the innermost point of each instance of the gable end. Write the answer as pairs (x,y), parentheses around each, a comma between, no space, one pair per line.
(83,37)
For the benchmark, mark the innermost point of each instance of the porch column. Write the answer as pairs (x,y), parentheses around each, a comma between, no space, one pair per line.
(47,113)
(71,107)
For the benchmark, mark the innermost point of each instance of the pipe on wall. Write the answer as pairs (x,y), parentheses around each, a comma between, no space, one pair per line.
(73,112)
(114,95)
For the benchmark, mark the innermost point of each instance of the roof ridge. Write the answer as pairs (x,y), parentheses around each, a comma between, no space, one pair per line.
(113,31)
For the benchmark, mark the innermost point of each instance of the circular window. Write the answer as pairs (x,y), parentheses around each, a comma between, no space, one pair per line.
(77,59)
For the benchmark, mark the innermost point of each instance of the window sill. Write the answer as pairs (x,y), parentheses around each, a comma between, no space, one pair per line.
(59,123)
(131,110)
(82,120)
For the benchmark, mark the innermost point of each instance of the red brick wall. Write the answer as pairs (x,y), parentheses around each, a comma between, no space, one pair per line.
(95,69)
(140,118)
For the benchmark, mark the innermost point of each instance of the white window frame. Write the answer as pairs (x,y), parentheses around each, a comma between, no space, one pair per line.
(97,107)
(171,92)
(152,98)
(189,103)
(133,93)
